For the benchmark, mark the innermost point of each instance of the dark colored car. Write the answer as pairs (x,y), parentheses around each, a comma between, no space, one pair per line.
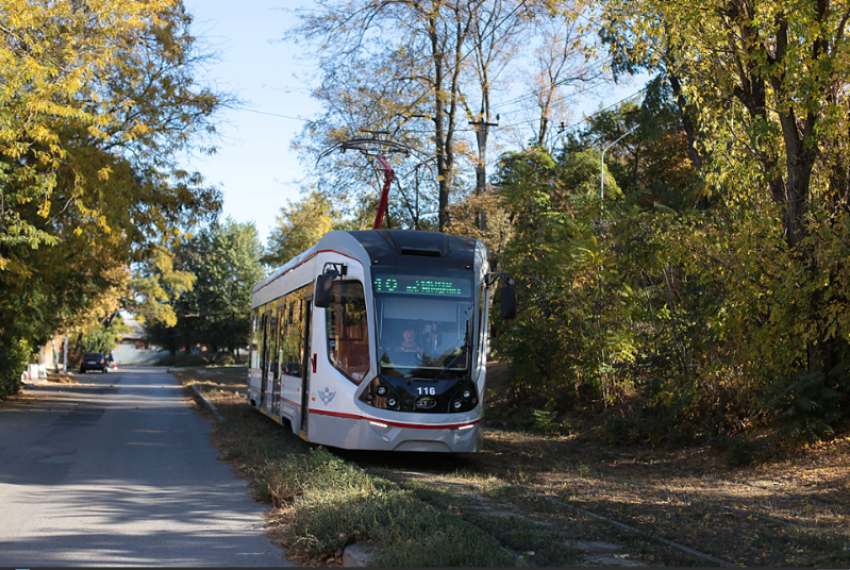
(93,361)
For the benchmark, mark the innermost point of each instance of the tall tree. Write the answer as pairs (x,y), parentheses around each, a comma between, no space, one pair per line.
(420,61)
(567,64)
(298,227)
(224,260)
(646,150)
(227,265)
(98,98)
(769,81)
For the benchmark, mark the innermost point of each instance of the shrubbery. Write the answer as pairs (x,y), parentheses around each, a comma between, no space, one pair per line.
(14,355)
(202,359)
(706,322)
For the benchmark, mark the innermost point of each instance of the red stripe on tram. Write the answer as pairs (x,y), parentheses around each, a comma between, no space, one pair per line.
(389,423)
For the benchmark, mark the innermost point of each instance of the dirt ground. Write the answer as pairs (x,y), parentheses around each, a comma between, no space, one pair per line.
(792,509)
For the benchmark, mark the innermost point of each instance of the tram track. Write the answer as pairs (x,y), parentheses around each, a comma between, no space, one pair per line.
(662,504)
(618,525)
(666,493)
(633,461)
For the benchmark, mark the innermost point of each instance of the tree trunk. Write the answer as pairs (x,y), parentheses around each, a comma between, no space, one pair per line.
(443,173)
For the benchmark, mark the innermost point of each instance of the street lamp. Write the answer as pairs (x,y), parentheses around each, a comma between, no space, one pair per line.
(602,170)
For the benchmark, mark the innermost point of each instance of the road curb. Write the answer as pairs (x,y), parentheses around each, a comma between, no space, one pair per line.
(209,404)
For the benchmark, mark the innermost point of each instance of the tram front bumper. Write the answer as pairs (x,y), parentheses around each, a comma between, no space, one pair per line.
(348,433)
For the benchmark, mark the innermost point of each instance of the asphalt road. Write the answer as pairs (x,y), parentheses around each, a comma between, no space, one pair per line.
(119,471)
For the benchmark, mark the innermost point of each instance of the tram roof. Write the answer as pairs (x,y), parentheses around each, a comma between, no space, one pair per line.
(412,248)
(393,248)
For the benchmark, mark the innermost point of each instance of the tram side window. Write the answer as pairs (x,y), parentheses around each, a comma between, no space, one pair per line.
(291,349)
(255,340)
(348,339)
(272,357)
(262,333)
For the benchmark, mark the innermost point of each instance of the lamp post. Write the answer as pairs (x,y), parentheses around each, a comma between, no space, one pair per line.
(602,170)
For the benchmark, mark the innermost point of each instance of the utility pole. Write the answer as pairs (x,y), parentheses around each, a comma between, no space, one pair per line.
(602,171)
(482,128)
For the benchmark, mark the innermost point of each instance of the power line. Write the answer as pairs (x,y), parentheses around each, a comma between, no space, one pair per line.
(528,121)
(239,107)
(536,92)
(585,119)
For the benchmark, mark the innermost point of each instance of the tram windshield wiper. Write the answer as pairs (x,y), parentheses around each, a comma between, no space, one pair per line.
(447,367)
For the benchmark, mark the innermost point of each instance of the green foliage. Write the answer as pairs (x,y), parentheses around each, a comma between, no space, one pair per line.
(808,405)
(157,283)
(298,227)
(699,312)
(651,165)
(622,431)
(97,103)
(226,260)
(14,356)
(560,339)
(104,338)
(208,282)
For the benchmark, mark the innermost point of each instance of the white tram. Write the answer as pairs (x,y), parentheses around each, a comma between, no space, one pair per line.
(377,339)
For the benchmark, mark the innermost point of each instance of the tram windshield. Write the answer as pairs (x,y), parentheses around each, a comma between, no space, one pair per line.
(425,322)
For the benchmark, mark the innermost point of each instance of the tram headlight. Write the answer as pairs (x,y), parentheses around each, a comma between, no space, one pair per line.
(457,404)
(392,402)
(467,394)
(382,390)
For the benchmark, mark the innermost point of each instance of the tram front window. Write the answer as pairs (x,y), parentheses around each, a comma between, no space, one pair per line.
(425,321)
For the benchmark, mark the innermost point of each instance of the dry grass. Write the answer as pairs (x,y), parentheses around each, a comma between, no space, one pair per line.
(792,510)
(321,503)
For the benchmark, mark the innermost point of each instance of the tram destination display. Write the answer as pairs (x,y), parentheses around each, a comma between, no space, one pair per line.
(422,285)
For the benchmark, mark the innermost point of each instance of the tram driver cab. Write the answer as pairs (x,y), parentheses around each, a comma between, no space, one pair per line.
(413,347)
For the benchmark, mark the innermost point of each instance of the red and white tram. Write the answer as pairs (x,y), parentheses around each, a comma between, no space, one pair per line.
(377,340)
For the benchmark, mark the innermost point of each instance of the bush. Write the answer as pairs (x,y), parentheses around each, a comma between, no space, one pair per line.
(204,359)
(181,360)
(14,355)
(807,406)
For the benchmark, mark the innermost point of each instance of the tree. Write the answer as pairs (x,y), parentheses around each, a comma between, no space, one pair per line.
(104,337)
(769,82)
(224,263)
(415,82)
(97,101)
(159,282)
(560,338)
(87,92)
(650,162)
(567,64)
(299,227)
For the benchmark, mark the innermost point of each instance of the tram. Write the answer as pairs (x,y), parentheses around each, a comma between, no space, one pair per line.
(377,339)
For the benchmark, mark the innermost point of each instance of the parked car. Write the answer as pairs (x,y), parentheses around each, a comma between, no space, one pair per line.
(111,363)
(93,361)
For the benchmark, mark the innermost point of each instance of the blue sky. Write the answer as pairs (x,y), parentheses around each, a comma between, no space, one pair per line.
(255,167)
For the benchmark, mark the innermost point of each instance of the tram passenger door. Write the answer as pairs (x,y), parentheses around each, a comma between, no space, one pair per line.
(274,357)
(264,347)
(306,366)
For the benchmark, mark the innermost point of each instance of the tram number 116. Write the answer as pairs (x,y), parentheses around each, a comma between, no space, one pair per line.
(427,391)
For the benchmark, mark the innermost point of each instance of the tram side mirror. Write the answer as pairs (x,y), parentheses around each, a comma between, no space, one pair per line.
(507,298)
(324,294)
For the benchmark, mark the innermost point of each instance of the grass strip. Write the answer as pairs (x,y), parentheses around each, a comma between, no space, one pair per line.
(324,503)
